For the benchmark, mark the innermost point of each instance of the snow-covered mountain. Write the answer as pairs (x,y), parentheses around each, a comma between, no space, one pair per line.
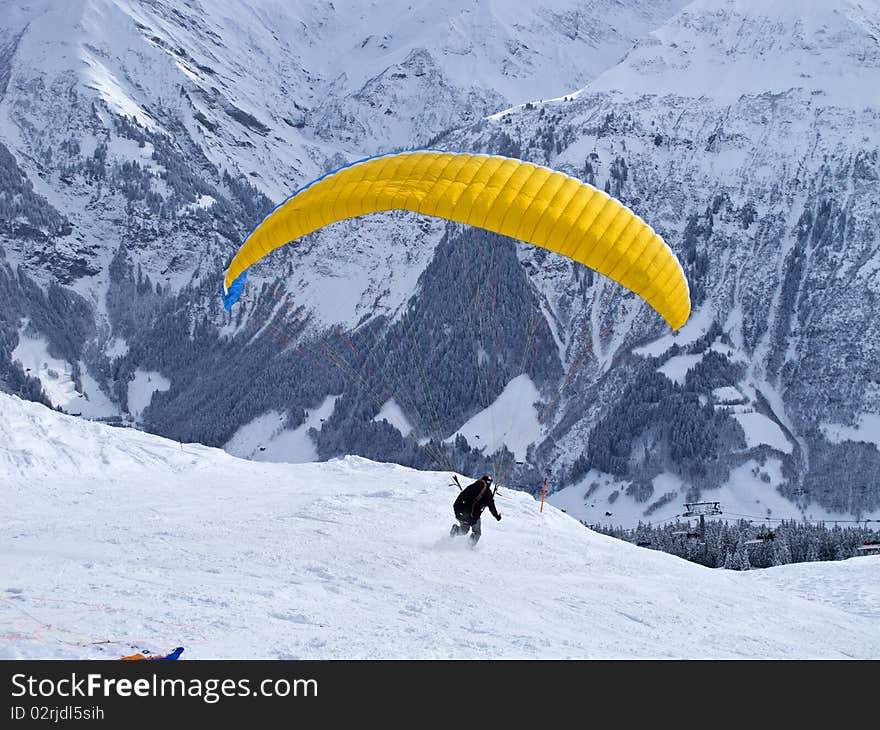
(140,141)
(747,134)
(114,541)
(117,116)
(410,74)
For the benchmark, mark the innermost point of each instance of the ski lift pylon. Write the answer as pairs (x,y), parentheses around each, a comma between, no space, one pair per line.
(694,509)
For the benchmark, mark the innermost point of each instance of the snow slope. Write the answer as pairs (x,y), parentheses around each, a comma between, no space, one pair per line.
(56,379)
(723,49)
(394,414)
(142,389)
(116,536)
(752,491)
(267,437)
(511,420)
(866,429)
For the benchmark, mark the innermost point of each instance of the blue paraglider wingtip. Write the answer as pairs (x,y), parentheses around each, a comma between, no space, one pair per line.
(231,296)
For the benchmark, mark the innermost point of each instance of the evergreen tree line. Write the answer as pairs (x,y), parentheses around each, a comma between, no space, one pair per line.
(57,313)
(460,341)
(185,174)
(686,435)
(473,327)
(22,211)
(742,545)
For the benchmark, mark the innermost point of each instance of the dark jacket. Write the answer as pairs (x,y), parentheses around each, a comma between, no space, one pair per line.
(472,500)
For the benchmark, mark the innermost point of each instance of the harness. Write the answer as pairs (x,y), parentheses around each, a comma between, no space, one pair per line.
(477,498)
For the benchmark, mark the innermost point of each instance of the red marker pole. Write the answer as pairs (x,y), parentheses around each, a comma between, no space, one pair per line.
(544,492)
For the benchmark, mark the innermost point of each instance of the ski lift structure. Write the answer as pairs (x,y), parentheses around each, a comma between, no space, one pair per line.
(702,510)
(869,547)
(687,534)
(761,538)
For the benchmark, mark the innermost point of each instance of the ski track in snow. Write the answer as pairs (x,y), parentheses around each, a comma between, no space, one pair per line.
(114,535)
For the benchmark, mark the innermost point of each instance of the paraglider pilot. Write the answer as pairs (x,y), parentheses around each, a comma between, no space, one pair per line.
(469,505)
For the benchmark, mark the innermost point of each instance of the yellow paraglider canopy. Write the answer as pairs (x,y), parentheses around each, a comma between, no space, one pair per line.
(500,194)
